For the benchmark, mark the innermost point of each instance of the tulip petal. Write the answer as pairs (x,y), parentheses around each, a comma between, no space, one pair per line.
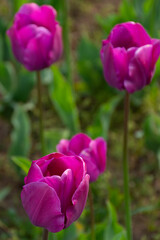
(92,168)
(98,150)
(140,69)
(115,65)
(54,182)
(131,52)
(75,163)
(36,55)
(139,35)
(56,53)
(23,17)
(26,33)
(156,51)
(34,174)
(68,189)
(78,200)
(17,46)
(45,161)
(37,199)
(79,142)
(129,34)
(63,146)
(28,8)
(44,16)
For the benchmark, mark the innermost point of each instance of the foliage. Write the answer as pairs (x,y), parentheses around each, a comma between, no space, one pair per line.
(23,163)
(63,100)
(65,112)
(20,137)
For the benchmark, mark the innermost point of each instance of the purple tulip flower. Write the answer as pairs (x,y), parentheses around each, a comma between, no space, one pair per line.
(36,36)
(129,56)
(55,191)
(93,152)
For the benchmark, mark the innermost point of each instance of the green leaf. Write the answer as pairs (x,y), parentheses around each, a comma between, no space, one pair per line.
(24,86)
(114,231)
(102,120)
(20,136)
(69,233)
(63,100)
(108,22)
(147,6)
(1,47)
(152,132)
(127,11)
(90,68)
(22,162)
(52,138)
(4,192)
(7,78)
(17,4)
(145,209)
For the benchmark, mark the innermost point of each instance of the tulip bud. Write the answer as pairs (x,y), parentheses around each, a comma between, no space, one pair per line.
(55,191)
(129,56)
(93,152)
(36,36)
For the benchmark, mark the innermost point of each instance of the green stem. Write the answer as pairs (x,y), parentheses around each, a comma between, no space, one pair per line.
(126,169)
(67,48)
(45,234)
(41,128)
(92,214)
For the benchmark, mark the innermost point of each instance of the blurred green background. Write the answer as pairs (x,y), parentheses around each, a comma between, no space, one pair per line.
(91,106)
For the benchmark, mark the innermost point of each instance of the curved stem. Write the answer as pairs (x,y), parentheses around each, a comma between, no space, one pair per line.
(92,214)
(45,234)
(126,169)
(41,129)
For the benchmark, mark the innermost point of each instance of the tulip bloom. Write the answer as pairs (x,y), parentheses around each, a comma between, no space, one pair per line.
(36,36)
(93,152)
(55,191)
(129,56)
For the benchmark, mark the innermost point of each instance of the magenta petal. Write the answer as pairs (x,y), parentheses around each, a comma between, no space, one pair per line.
(45,40)
(140,69)
(37,199)
(34,174)
(22,18)
(33,57)
(62,147)
(36,53)
(115,65)
(75,163)
(129,34)
(99,150)
(50,156)
(26,33)
(131,52)
(92,168)
(156,52)
(45,161)
(56,53)
(68,189)
(54,182)
(44,16)
(79,142)
(138,33)
(28,8)
(121,37)
(78,200)
(17,46)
